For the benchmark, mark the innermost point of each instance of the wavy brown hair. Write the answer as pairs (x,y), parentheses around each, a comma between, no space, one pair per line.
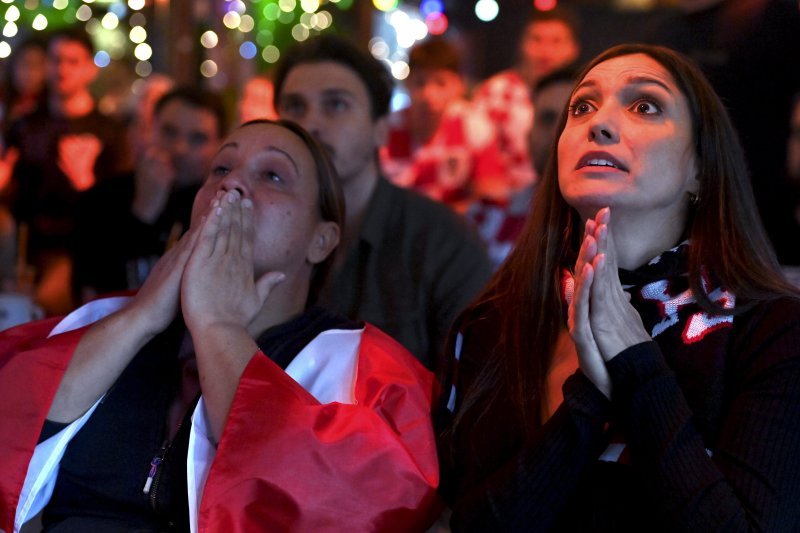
(523,297)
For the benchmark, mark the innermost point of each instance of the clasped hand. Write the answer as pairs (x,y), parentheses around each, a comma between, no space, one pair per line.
(209,273)
(601,320)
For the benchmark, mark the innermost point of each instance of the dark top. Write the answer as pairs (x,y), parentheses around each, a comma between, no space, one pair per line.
(41,194)
(116,250)
(415,266)
(711,428)
(104,469)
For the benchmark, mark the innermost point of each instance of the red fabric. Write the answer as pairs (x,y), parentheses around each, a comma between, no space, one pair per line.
(300,465)
(294,464)
(30,371)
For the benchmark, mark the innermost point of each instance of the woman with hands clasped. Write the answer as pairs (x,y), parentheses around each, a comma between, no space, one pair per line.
(634,365)
(305,420)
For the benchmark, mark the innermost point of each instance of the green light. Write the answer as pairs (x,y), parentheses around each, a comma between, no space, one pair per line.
(286,17)
(265,38)
(271,11)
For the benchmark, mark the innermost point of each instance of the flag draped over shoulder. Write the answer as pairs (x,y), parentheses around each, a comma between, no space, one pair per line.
(285,461)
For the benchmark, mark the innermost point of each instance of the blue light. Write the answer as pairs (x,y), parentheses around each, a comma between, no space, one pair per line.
(248,50)
(102,59)
(120,9)
(428,7)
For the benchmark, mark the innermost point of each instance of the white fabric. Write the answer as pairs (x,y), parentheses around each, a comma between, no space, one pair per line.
(40,479)
(89,313)
(198,460)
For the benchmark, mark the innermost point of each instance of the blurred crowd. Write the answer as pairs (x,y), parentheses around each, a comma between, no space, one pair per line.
(89,201)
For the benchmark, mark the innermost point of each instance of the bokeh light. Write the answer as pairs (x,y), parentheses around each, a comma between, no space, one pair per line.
(209,39)
(487,10)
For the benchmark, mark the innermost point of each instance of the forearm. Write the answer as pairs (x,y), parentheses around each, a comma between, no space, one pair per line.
(100,357)
(223,352)
(741,486)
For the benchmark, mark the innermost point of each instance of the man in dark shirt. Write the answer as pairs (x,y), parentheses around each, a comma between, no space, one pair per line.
(409,265)
(64,149)
(126,224)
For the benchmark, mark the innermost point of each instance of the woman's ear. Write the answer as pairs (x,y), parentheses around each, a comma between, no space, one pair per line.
(326,238)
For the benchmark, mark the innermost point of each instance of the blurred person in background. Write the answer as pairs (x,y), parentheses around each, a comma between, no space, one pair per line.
(23,88)
(65,148)
(500,223)
(23,92)
(127,223)
(408,264)
(550,40)
(140,125)
(440,145)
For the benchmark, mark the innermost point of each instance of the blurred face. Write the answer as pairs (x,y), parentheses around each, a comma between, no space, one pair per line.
(256,101)
(189,135)
(546,46)
(794,144)
(431,90)
(70,67)
(628,142)
(274,169)
(330,101)
(29,71)
(548,104)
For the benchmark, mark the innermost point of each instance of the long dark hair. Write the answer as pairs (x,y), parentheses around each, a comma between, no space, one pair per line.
(330,198)
(727,239)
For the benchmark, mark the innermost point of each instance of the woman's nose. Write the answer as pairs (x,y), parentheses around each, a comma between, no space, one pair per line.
(232,182)
(603,133)
(602,128)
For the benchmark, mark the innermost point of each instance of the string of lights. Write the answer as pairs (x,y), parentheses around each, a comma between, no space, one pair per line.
(260,29)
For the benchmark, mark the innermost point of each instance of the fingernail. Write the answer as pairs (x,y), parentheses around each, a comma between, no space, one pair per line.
(248,203)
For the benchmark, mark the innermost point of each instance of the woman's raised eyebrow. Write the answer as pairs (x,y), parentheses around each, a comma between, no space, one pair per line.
(232,144)
(636,80)
(285,154)
(647,80)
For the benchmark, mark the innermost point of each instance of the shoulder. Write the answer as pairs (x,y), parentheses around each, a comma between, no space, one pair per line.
(413,211)
(378,345)
(773,315)
(387,372)
(768,334)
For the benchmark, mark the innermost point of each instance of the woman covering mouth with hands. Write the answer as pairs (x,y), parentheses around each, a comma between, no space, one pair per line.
(633,366)
(218,397)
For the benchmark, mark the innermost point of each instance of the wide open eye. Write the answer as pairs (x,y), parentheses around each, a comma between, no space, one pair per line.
(580,107)
(646,107)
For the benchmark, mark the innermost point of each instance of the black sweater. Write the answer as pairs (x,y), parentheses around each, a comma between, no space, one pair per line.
(713,439)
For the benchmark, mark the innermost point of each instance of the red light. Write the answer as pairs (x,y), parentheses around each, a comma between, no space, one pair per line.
(437,23)
(544,5)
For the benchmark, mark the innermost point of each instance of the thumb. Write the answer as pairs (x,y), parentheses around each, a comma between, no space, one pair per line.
(267,282)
